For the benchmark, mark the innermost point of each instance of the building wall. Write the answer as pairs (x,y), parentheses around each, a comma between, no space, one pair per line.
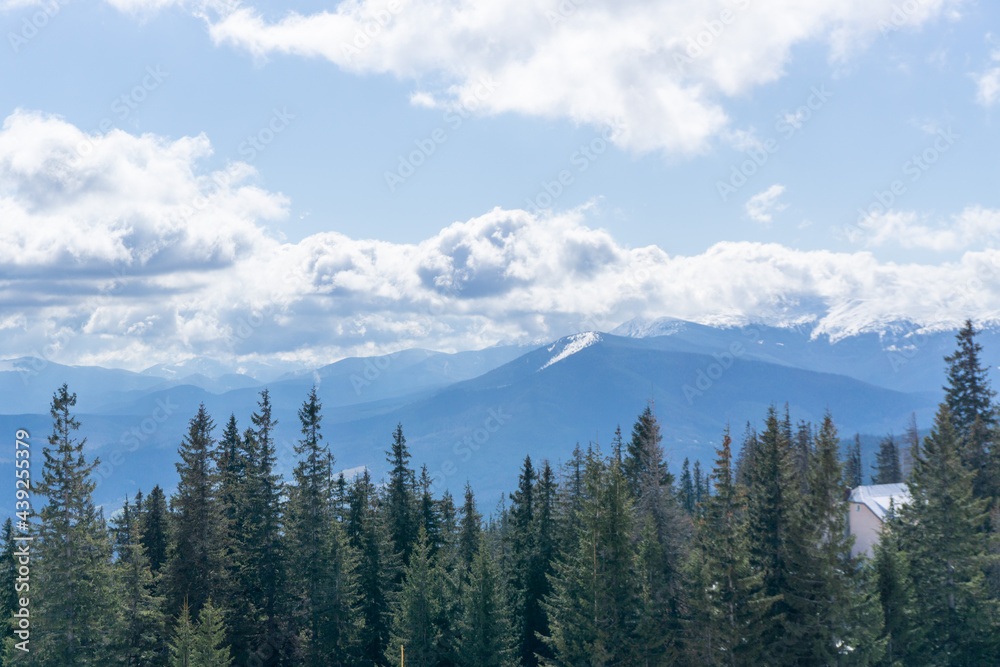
(866,528)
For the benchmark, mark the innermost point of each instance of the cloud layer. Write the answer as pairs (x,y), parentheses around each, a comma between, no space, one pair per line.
(121,250)
(658,71)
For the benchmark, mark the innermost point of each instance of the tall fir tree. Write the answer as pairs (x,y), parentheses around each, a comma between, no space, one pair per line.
(969,398)
(401,502)
(594,607)
(887,467)
(208,643)
(896,595)
(154,529)
(853,467)
(182,643)
(663,530)
(487,634)
(941,530)
(822,594)
(470,530)
(415,620)
(141,624)
(773,497)
(322,564)
(687,487)
(377,567)
(73,580)
(264,549)
(196,567)
(726,601)
(910,446)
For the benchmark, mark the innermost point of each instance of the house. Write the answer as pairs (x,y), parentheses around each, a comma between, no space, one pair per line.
(868,508)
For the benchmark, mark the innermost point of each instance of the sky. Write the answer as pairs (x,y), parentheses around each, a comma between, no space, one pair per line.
(294,183)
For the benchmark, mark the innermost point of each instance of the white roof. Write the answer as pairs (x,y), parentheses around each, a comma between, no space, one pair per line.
(876,497)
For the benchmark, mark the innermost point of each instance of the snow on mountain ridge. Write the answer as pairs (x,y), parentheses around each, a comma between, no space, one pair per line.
(574,344)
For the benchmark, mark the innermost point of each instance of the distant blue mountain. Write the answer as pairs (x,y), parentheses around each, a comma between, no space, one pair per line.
(475,415)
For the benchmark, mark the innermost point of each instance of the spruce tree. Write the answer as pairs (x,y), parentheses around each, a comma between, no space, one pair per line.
(154,529)
(470,529)
(969,398)
(74,598)
(887,467)
(594,607)
(196,569)
(377,566)
(182,644)
(896,595)
(644,429)
(141,625)
(726,599)
(208,643)
(853,468)
(822,595)
(773,496)
(415,625)
(687,487)
(400,503)
(487,635)
(264,549)
(322,572)
(941,530)
(661,521)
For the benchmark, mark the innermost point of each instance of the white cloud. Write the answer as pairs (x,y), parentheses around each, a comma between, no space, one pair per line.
(973,227)
(660,71)
(761,205)
(133,255)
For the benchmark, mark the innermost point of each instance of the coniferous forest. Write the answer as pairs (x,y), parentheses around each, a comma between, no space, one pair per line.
(607,558)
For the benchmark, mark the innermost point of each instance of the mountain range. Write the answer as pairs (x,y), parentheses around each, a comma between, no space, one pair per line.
(473,416)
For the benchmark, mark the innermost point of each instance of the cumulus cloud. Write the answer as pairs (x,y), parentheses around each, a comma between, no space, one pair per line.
(761,205)
(973,227)
(660,71)
(988,83)
(122,250)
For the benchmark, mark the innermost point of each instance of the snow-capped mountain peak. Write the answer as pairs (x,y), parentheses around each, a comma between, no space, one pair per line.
(572,345)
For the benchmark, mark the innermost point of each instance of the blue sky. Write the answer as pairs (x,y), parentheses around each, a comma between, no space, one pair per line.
(320,233)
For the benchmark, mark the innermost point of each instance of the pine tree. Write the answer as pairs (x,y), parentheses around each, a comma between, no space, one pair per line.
(74,602)
(853,468)
(594,607)
(322,565)
(645,428)
(182,646)
(887,468)
(154,529)
(820,597)
(470,530)
(415,619)
(400,504)
(970,401)
(896,594)
(264,549)
(196,569)
(687,487)
(661,522)
(487,635)
(773,496)
(700,484)
(427,512)
(377,566)
(802,453)
(208,643)
(726,602)
(141,623)
(941,530)
(123,531)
